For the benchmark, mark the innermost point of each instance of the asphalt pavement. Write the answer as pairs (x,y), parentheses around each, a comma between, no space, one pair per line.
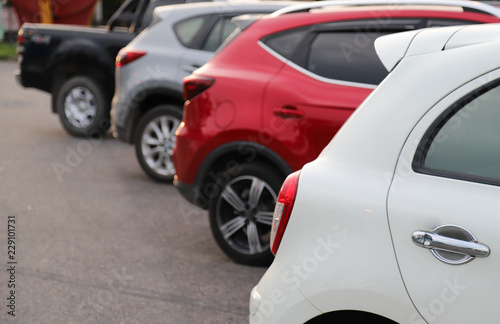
(87,237)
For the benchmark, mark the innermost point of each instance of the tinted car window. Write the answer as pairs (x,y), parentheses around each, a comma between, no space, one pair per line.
(188,29)
(436,22)
(466,141)
(222,29)
(341,50)
(342,56)
(285,43)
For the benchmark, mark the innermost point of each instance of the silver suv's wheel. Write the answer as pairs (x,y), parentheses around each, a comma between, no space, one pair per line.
(82,107)
(155,141)
(241,212)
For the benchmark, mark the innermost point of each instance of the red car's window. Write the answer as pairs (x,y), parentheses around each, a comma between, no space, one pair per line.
(342,56)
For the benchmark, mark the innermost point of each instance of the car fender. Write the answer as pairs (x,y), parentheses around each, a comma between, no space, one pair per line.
(230,155)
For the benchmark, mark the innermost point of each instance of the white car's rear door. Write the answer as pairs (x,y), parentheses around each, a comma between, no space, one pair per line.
(441,203)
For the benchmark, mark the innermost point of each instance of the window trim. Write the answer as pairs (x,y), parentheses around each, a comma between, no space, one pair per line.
(348,25)
(313,75)
(432,131)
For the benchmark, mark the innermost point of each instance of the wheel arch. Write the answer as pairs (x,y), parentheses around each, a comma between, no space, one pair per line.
(350,316)
(82,58)
(148,100)
(229,155)
(67,72)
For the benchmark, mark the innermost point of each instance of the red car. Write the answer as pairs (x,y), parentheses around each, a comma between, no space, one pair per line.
(275,95)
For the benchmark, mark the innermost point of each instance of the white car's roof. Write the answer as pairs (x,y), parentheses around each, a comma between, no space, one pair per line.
(392,48)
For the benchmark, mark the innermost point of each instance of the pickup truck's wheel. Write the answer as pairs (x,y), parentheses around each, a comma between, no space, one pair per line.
(154,141)
(241,212)
(82,107)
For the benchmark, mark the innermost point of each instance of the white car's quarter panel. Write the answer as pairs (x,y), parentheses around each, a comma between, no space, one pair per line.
(445,293)
(277,300)
(348,261)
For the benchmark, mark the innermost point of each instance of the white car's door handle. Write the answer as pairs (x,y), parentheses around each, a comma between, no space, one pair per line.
(431,240)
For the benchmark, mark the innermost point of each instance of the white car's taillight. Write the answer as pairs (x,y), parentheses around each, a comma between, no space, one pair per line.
(283,209)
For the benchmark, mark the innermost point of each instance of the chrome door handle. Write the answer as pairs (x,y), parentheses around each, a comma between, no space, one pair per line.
(432,240)
(451,244)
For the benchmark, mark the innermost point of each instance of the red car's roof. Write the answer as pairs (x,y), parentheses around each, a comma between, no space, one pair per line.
(273,24)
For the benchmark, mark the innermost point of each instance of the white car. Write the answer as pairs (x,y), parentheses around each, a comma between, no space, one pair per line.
(396,221)
(148,101)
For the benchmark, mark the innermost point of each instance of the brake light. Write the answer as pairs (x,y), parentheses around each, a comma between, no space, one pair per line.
(127,55)
(20,45)
(283,209)
(196,84)
(20,37)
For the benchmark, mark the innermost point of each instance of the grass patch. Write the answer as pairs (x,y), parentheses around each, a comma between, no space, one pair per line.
(7,51)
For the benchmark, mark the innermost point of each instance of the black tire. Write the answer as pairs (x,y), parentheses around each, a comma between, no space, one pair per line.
(152,148)
(83,107)
(234,212)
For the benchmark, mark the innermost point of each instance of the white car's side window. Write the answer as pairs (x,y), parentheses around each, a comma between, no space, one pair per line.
(464,142)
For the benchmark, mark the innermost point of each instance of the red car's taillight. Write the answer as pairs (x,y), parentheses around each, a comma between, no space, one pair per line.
(283,209)
(196,84)
(127,55)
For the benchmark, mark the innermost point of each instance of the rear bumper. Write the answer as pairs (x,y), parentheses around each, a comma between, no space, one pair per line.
(277,299)
(120,115)
(121,134)
(19,79)
(191,194)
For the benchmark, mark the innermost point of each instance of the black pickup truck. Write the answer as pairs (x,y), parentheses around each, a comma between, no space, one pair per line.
(77,64)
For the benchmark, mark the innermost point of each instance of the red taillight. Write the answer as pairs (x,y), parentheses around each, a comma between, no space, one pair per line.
(195,84)
(20,45)
(283,209)
(20,37)
(127,55)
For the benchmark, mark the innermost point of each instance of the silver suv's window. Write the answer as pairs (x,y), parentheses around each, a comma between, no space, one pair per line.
(188,29)
(222,29)
(465,142)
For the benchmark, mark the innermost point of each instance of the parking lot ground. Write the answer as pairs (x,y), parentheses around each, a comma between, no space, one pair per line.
(95,240)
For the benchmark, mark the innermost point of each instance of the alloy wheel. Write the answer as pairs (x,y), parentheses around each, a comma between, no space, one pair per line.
(157,144)
(244,214)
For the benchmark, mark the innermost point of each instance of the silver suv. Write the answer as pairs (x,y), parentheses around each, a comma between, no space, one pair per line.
(148,102)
